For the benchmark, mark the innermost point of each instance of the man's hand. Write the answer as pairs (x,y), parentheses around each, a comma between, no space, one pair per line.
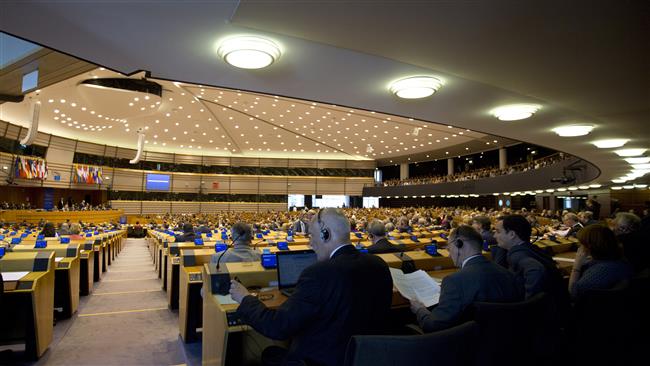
(416,305)
(238,291)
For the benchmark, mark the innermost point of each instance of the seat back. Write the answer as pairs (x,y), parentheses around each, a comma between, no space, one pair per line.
(447,347)
(611,322)
(526,327)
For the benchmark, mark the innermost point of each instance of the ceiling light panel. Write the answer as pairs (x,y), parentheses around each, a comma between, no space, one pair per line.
(514,112)
(610,143)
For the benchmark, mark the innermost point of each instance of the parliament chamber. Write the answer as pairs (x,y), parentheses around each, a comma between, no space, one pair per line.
(324,183)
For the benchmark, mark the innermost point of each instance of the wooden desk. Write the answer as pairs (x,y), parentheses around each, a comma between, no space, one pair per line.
(57,217)
(28,305)
(189,292)
(66,274)
(171,269)
(216,328)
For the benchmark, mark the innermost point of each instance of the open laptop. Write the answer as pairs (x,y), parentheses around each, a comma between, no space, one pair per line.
(290,266)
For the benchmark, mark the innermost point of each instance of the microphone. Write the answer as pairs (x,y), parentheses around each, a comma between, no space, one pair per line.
(221,282)
(224,252)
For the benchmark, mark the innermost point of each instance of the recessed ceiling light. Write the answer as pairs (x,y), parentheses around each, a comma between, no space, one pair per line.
(594,186)
(249,52)
(620,180)
(415,87)
(641,166)
(630,152)
(642,160)
(610,143)
(573,130)
(514,112)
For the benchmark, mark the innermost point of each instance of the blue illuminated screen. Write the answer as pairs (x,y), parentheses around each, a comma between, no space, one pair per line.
(157,182)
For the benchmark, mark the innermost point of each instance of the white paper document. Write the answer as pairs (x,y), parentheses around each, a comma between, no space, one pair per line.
(225,299)
(58,259)
(13,276)
(560,259)
(416,286)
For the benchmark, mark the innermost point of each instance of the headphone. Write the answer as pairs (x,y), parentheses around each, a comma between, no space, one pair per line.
(324,232)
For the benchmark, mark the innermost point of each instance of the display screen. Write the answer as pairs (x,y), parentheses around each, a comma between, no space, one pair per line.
(157,182)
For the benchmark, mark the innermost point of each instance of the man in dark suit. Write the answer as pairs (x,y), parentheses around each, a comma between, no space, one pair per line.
(483,225)
(345,293)
(477,280)
(377,233)
(204,228)
(301,225)
(535,271)
(188,234)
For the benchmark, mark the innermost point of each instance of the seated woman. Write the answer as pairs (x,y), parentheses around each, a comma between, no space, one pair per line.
(75,231)
(606,267)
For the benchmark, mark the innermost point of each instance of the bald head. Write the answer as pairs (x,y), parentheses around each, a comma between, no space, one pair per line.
(337,227)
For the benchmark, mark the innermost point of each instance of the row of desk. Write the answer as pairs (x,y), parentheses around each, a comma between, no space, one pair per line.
(186,271)
(40,281)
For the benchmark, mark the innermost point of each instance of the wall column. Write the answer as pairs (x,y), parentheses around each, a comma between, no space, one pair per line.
(404,171)
(450,166)
(503,158)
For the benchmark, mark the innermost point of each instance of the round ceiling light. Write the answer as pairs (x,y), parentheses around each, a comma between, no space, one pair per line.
(630,152)
(610,143)
(415,87)
(573,130)
(514,112)
(249,52)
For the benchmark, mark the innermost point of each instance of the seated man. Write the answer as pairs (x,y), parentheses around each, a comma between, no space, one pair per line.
(242,235)
(483,225)
(345,293)
(573,223)
(188,234)
(377,234)
(477,280)
(534,270)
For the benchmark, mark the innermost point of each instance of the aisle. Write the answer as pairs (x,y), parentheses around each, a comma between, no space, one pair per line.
(125,321)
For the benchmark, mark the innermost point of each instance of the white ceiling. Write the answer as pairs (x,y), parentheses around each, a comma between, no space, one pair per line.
(197,119)
(582,61)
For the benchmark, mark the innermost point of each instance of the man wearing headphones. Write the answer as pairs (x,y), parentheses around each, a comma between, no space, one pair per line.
(477,280)
(377,233)
(242,235)
(344,293)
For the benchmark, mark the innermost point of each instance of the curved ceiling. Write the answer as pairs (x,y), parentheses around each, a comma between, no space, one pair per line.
(581,61)
(204,120)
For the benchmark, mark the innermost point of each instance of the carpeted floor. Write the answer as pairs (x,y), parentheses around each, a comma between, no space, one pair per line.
(125,321)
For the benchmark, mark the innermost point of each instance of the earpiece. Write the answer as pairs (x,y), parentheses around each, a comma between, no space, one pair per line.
(459,243)
(324,232)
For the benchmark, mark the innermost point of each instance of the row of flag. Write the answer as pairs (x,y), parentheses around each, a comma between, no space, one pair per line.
(87,174)
(30,168)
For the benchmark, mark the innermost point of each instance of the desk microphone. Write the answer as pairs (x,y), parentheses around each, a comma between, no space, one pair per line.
(221,281)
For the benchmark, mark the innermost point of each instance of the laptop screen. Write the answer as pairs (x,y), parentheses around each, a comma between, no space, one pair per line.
(291,264)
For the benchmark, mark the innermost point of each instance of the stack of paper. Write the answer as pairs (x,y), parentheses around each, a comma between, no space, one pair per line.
(416,286)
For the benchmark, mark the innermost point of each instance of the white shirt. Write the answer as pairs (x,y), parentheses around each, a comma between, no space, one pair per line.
(337,248)
(468,258)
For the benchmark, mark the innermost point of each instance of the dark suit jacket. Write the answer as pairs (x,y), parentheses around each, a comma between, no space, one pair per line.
(346,295)
(384,246)
(186,237)
(479,280)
